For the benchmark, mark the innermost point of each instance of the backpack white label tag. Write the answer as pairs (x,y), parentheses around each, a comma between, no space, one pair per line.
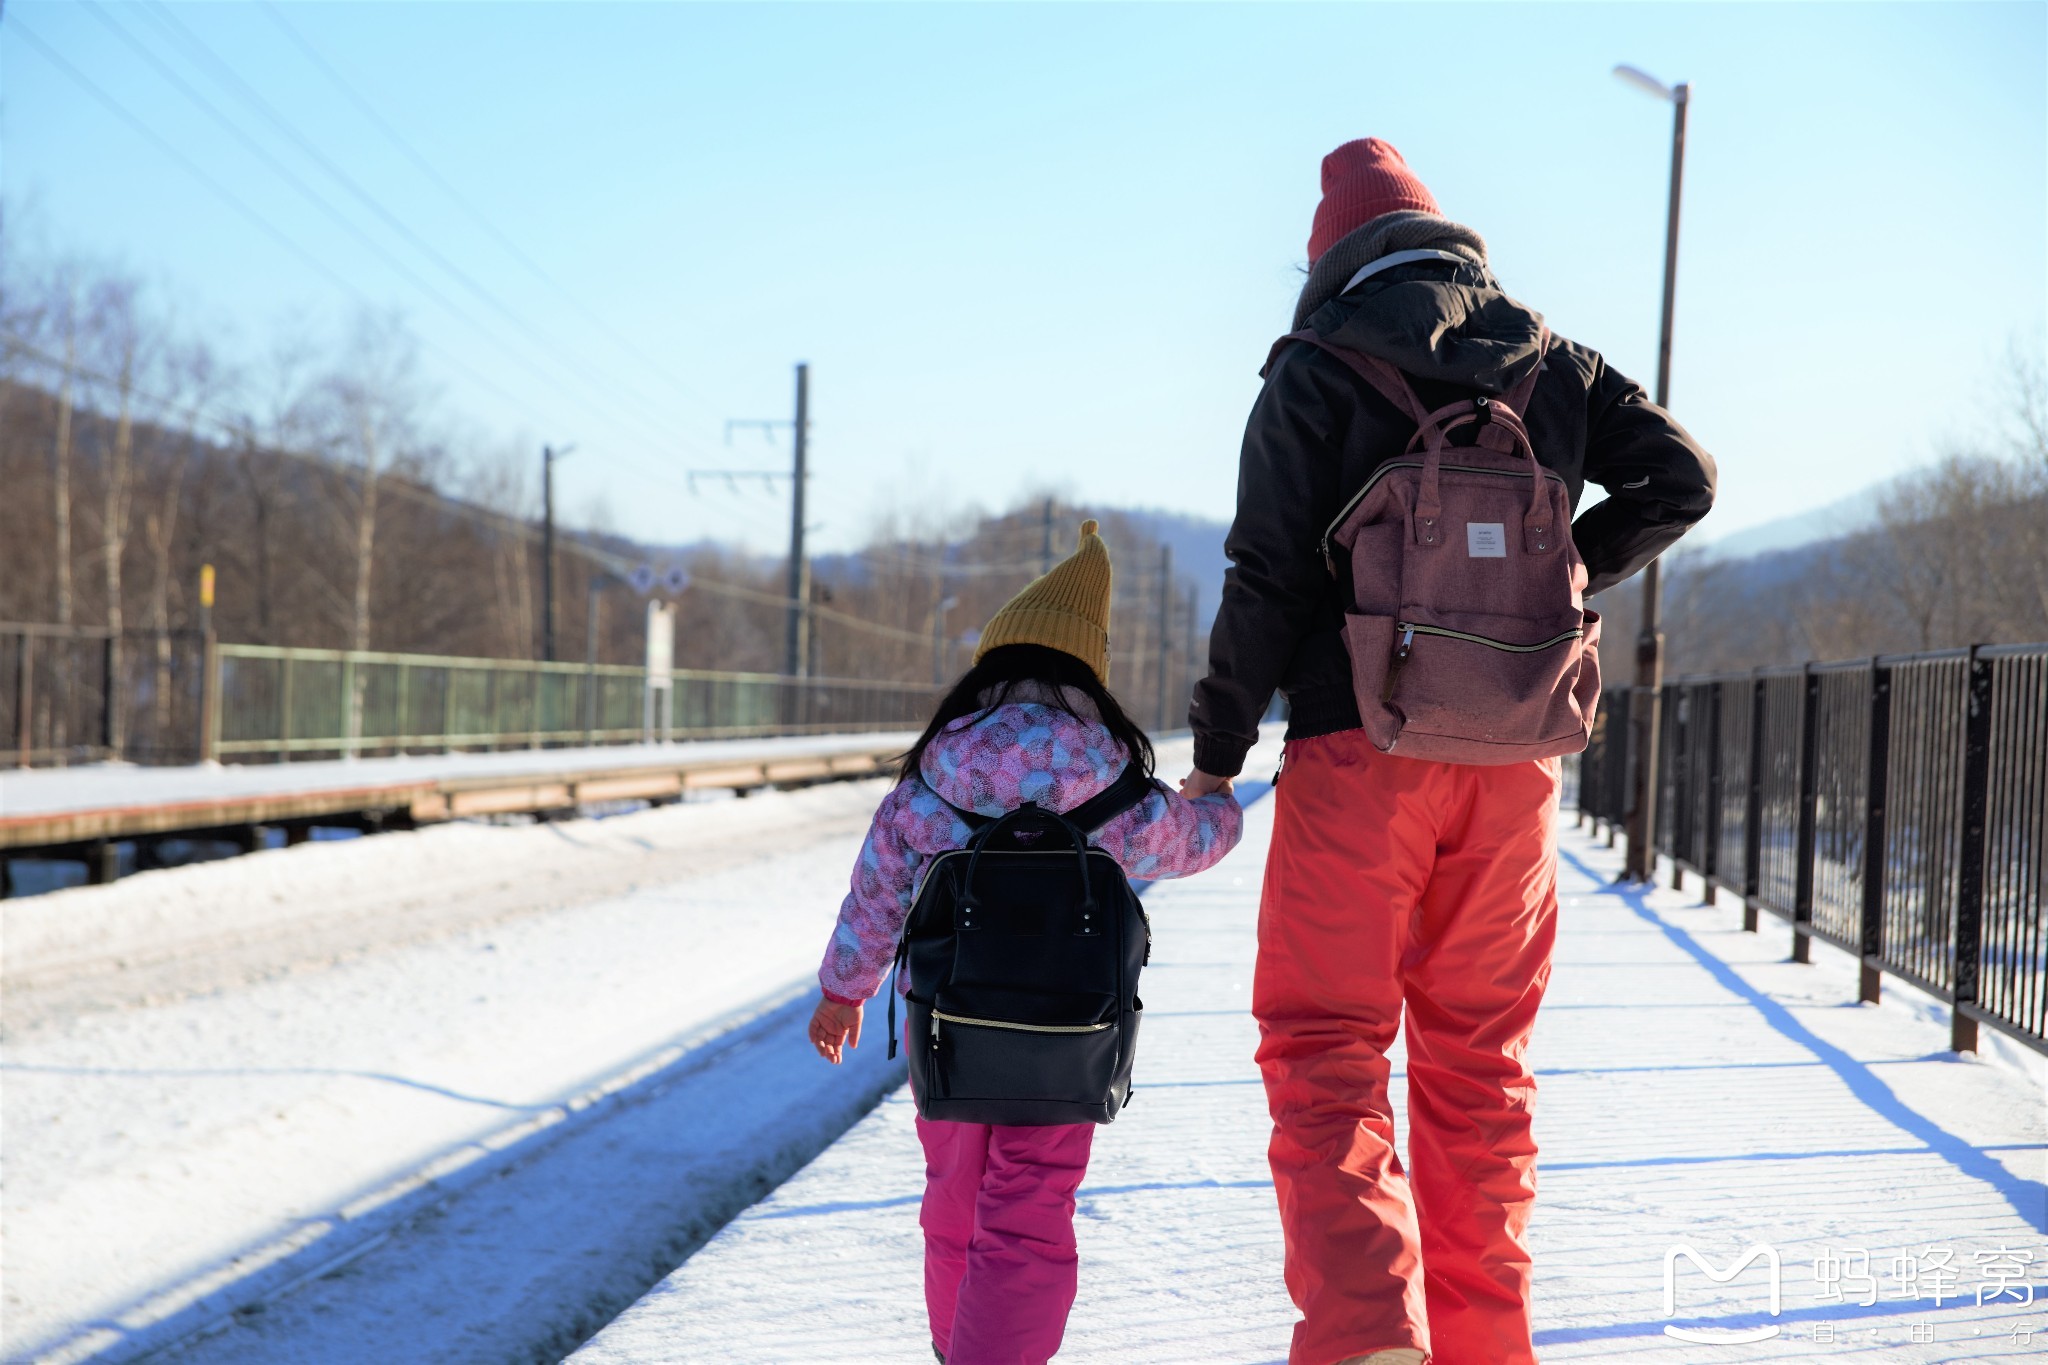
(1486,540)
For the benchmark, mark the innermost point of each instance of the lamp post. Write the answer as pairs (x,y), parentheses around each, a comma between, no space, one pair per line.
(1641,862)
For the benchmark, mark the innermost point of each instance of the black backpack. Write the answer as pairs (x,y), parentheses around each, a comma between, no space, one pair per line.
(1024,950)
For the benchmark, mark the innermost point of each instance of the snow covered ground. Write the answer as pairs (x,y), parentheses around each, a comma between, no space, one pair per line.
(1698,1090)
(476,1086)
(96,786)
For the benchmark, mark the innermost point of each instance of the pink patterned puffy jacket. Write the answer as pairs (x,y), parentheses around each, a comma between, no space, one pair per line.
(990,763)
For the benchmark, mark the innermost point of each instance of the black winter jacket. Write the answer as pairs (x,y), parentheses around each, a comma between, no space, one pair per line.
(1318,430)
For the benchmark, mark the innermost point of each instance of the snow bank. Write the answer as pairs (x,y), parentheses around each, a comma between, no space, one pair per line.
(160,1152)
(212,925)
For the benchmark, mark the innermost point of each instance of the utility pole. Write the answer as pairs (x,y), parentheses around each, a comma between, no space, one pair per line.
(1165,627)
(796,641)
(796,659)
(1646,700)
(548,456)
(1045,549)
(1191,671)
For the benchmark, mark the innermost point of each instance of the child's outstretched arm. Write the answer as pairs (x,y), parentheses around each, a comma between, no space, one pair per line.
(1167,835)
(871,917)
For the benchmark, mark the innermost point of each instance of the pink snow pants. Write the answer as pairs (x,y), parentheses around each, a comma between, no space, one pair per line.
(998,1219)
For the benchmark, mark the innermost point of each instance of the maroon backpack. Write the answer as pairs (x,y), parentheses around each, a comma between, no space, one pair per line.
(1468,635)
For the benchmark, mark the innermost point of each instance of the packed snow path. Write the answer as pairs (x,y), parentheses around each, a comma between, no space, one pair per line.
(1698,1089)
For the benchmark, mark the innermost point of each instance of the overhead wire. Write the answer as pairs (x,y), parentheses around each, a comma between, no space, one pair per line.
(319,201)
(241,206)
(289,243)
(241,430)
(224,73)
(476,215)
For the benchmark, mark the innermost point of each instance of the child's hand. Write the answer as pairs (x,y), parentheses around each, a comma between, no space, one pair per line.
(834,1025)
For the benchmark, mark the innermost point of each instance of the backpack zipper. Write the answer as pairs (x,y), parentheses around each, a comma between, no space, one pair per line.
(1391,466)
(1410,630)
(1410,633)
(938,1015)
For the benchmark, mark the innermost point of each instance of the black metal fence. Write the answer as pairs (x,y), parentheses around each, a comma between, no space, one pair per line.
(1896,807)
(79,694)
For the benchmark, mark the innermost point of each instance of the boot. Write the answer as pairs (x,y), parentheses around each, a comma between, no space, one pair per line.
(1393,1355)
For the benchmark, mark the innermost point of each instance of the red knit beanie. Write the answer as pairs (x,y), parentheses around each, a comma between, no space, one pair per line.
(1361,181)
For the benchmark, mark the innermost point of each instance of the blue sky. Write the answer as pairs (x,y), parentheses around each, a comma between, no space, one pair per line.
(1048,246)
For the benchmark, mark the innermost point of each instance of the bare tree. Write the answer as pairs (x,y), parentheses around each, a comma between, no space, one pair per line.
(373,402)
(193,379)
(63,309)
(121,343)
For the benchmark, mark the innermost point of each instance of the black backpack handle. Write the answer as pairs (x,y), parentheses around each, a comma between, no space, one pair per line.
(967,904)
(1131,786)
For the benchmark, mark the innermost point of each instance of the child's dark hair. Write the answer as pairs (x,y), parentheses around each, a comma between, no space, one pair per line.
(1003,668)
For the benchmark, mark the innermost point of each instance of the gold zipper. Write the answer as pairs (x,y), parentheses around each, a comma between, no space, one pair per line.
(1409,632)
(938,1015)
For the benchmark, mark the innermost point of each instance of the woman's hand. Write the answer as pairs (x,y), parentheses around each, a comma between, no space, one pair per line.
(834,1025)
(1199,784)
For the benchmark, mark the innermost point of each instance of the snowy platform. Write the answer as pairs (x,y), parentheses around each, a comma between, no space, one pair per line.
(1699,1091)
(49,806)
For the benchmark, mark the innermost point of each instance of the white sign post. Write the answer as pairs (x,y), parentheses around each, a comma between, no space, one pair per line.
(661,661)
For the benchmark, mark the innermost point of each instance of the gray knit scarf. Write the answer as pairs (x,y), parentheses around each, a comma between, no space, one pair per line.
(1403,230)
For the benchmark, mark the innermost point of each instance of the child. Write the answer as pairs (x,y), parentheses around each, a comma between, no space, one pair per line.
(1030,721)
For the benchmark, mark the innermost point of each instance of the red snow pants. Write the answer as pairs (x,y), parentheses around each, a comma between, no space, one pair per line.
(998,1218)
(1396,883)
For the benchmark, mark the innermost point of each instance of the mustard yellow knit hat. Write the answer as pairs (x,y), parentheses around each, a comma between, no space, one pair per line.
(1066,609)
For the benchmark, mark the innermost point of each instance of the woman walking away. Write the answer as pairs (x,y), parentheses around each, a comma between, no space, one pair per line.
(1398,572)
(1031,721)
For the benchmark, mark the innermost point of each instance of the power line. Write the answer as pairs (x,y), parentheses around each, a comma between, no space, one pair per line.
(224,73)
(476,215)
(241,206)
(319,201)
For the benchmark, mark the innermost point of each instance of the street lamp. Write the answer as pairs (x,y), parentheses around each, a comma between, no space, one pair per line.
(1641,862)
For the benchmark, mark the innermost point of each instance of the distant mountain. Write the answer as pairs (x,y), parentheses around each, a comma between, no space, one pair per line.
(1844,517)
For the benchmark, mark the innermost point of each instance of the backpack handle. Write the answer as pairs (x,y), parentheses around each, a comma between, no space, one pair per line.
(968,904)
(1494,416)
(1504,412)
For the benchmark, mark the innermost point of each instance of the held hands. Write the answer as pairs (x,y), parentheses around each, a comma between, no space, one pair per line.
(1198,784)
(834,1025)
